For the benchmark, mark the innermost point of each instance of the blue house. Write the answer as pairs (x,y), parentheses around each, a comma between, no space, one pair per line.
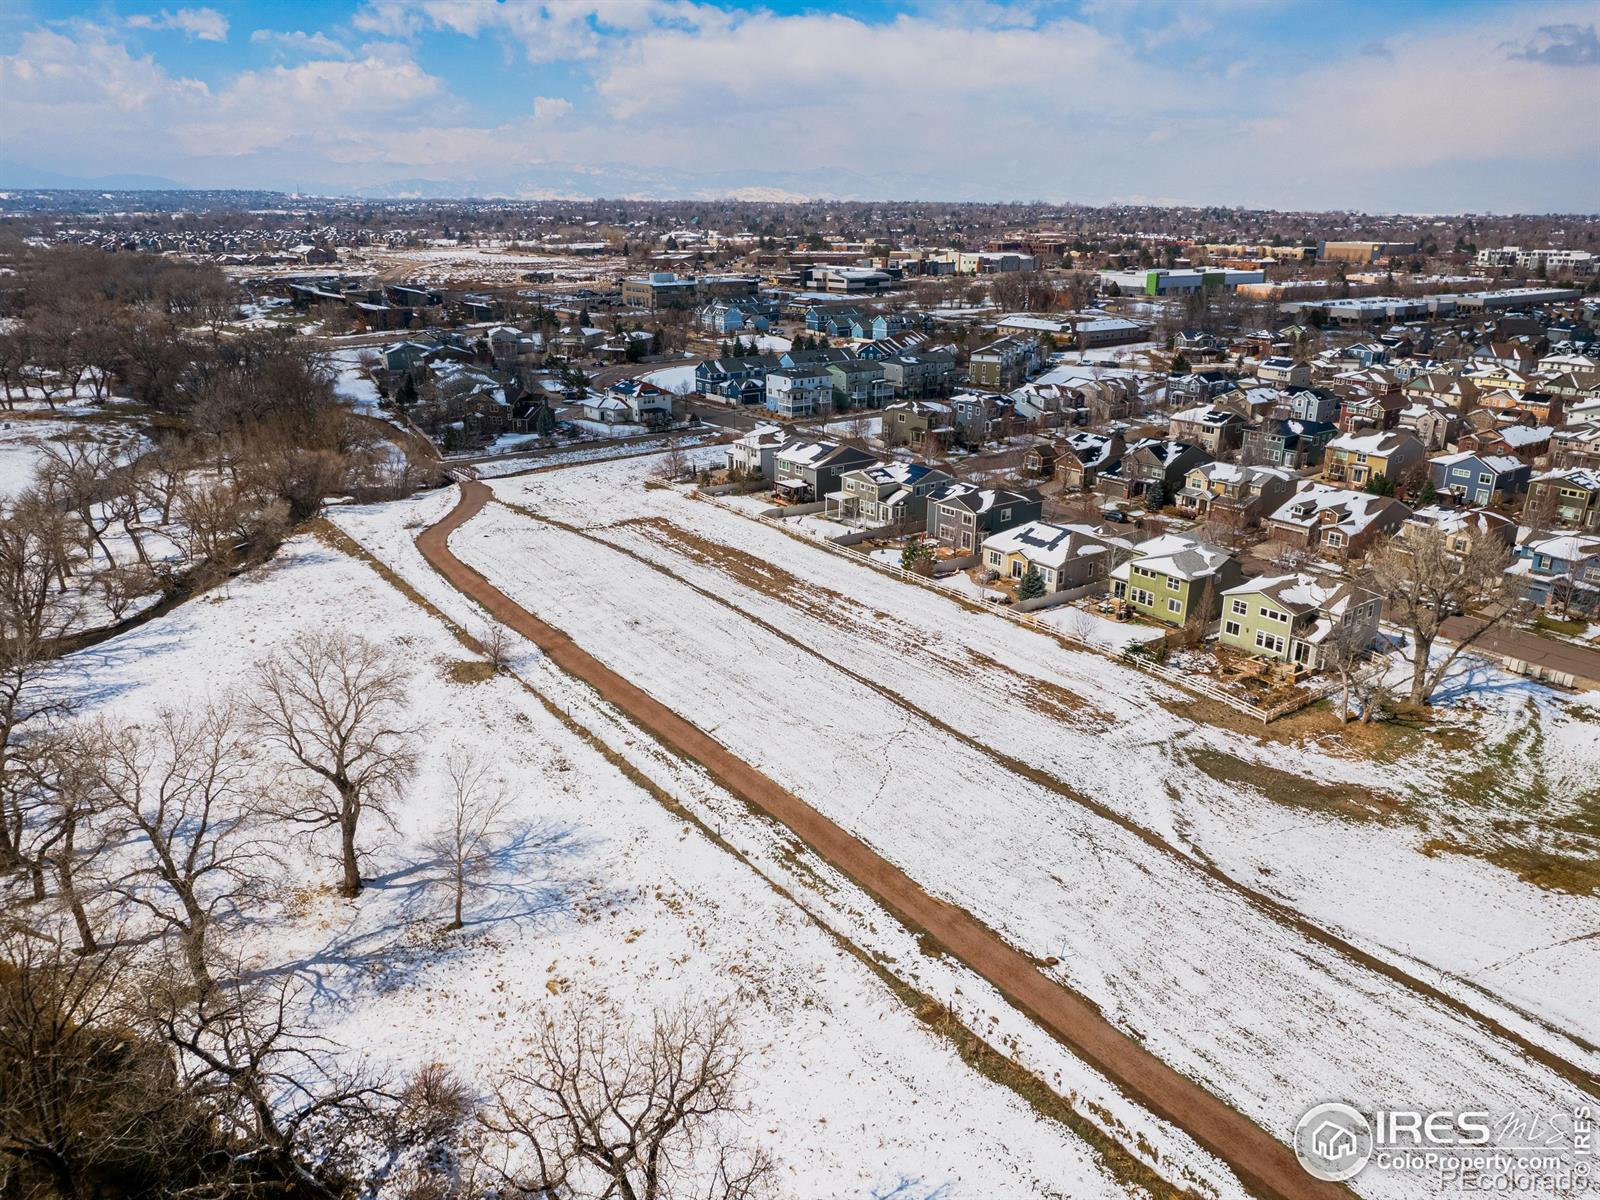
(1313,404)
(1561,572)
(831,322)
(721,316)
(1479,478)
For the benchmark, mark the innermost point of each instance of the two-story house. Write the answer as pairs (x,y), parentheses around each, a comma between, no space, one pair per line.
(1234,494)
(799,391)
(961,515)
(1287,442)
(1567,496)
(1065,556)
(1082,455)
(1560,573)
(1215,429)
(918,423)
(1313,404)
(1152,460)
(1334,521)
(920,373)
(1479,478)
(1004,363)
(1462,528)
(805,472)
(859,383)
(1293,618)
(1283,372)
(751,456)
(892,493)
(1354,459)
(1174,577)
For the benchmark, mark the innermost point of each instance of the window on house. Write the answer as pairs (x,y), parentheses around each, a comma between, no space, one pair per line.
(1239,607)
(1174,605)
(1335,538)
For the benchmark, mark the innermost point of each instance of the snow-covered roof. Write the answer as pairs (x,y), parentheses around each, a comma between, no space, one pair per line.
(1499,463)
(1525,435)
(1301,593)
(1354,511)
(1179,556)
(1383,441)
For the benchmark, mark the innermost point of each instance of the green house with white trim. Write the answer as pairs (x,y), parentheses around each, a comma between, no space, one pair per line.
(1173,577)
(1291,618)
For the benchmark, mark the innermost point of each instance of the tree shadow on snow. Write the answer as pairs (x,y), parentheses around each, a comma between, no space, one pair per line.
(525,883)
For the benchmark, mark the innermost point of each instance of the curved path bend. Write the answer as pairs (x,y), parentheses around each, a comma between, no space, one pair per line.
(1262,1163)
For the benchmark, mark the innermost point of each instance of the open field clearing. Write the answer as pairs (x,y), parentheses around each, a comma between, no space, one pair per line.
(1306,824)
(603,891)
(1257,1007)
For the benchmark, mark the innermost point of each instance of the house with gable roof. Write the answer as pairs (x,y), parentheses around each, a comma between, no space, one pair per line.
(961,515)
(1175,577)
(1334,521)
(1291,618)
(891,493)
(1065,556)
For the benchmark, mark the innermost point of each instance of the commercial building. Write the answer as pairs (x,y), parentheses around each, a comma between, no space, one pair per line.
(1162,281)
(1362,252)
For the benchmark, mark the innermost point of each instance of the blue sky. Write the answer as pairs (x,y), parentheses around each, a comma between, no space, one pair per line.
(1416,106)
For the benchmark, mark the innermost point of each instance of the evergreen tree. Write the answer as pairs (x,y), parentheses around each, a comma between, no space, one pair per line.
(1428,494)
(1031,585)
(1155,496)
(406,395)
(544,421)
(1380,485)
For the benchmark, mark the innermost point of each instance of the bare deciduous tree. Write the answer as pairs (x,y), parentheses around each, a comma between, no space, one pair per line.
(593,1112)
(495,641)
(33,614)
(85,1109)
(185,789)
(464,840)
(334,701)
(1424,582)
(276,1097)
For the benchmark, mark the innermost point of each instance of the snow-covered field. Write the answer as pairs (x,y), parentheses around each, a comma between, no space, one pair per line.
(678,380)
(604,891)
(896,702)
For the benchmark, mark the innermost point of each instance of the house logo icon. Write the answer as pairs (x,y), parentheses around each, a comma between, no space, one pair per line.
(1333,1142)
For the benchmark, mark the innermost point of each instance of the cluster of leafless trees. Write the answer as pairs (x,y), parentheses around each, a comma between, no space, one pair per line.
(142,1055)
(249,438)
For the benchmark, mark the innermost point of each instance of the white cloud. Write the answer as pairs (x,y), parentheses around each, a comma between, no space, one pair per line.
(204,24)
(547,31)
(550,108)
(298,44)
(995,100)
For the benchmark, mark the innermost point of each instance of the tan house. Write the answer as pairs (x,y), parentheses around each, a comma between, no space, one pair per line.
(1354,459)
(1335,521)
(1234,494)
(1065,556)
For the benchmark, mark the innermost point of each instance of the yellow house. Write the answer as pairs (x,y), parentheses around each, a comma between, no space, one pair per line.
(1355,458)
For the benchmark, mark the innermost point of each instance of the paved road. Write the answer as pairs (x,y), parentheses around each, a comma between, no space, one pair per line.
(1265,1165)
(1582,663)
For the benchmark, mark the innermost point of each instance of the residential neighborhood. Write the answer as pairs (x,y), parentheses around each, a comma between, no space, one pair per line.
(752,601)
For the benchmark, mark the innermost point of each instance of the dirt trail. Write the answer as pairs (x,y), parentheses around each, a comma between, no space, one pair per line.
(1262,1163)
